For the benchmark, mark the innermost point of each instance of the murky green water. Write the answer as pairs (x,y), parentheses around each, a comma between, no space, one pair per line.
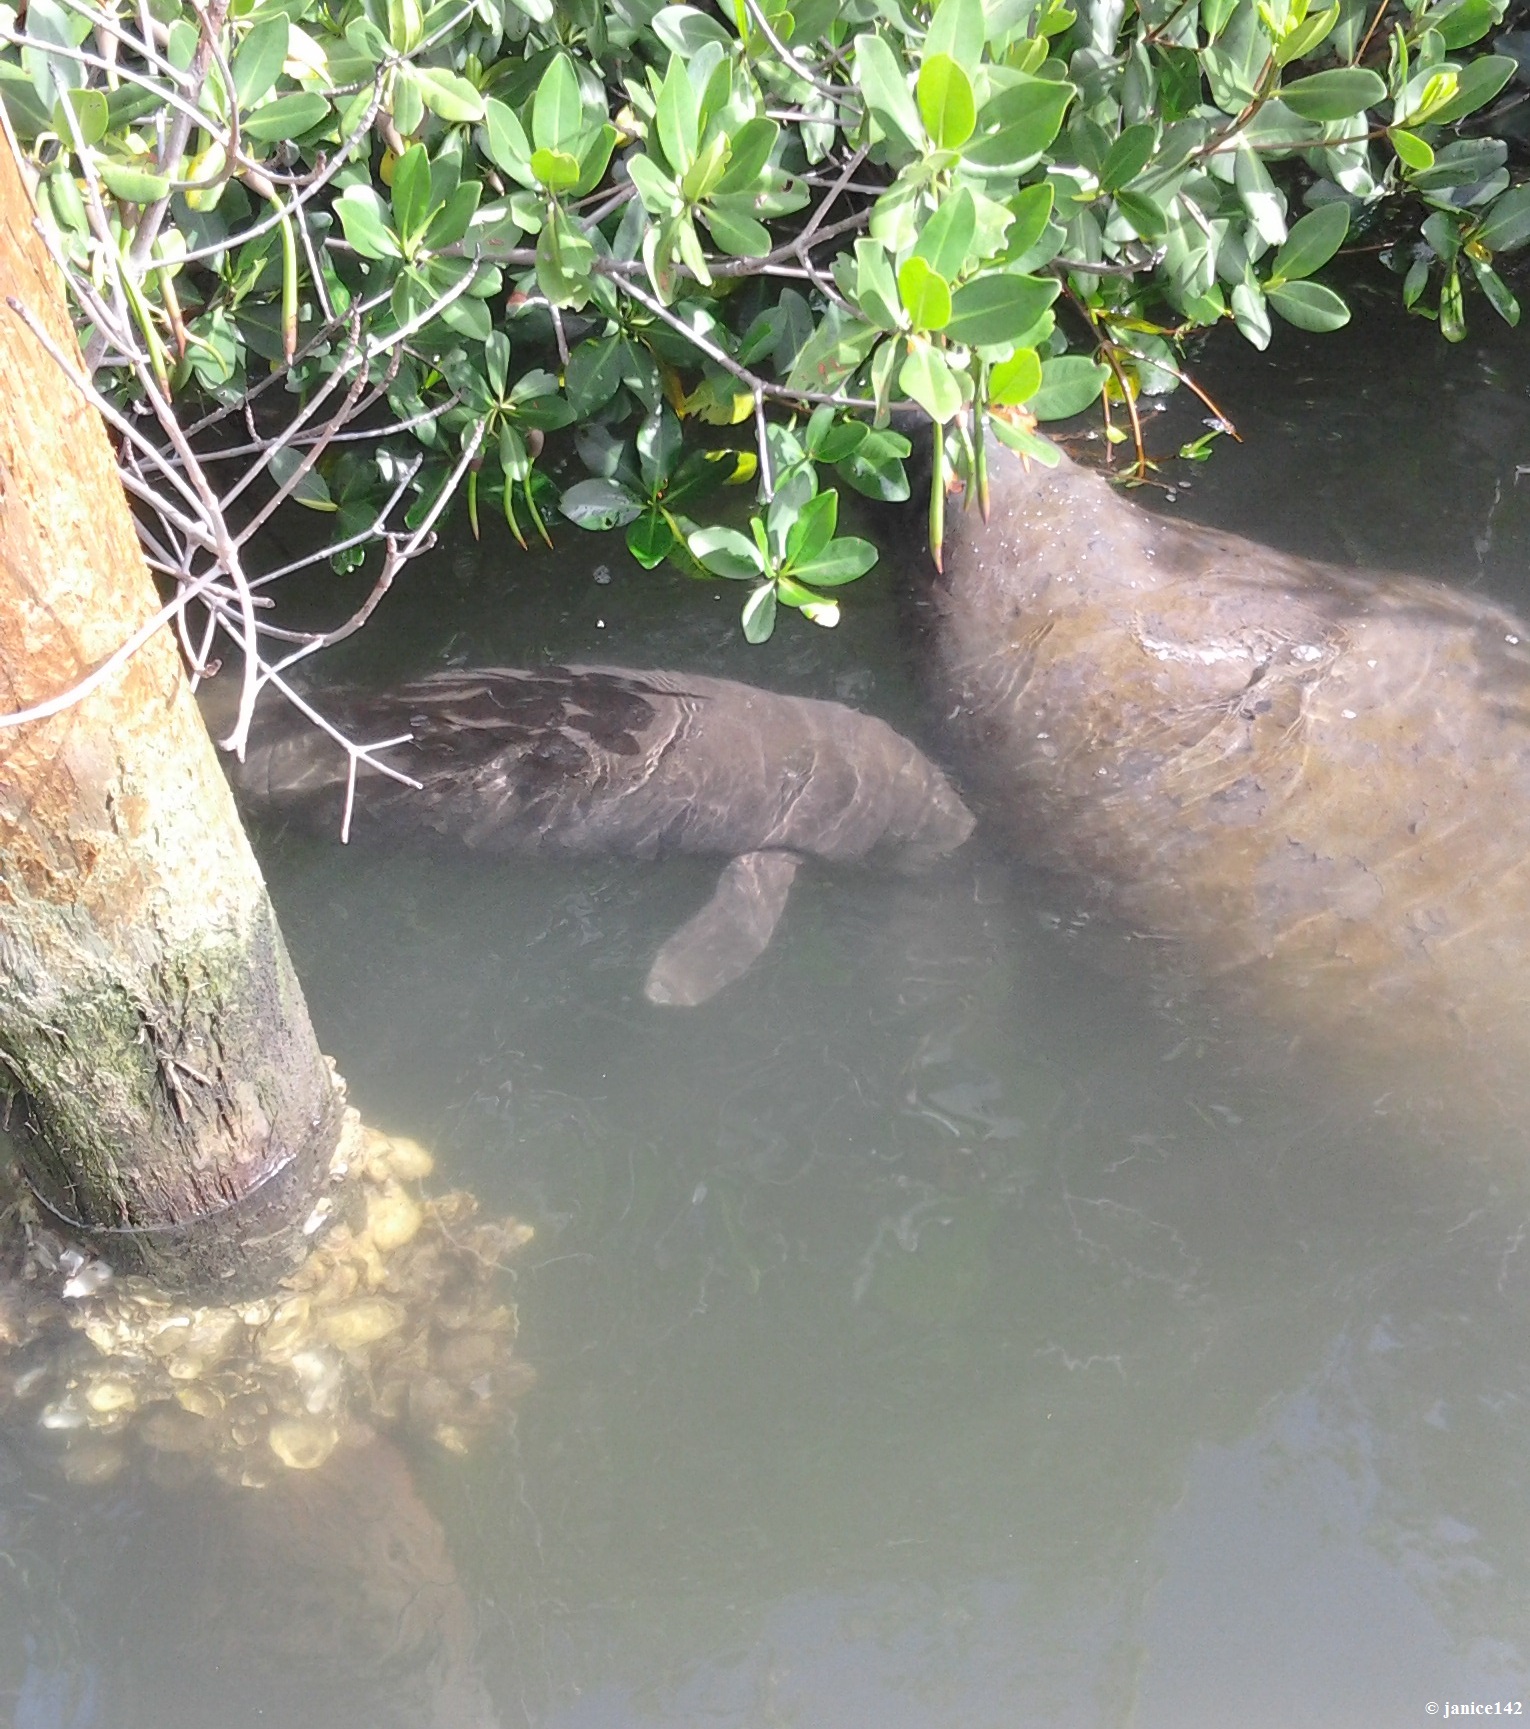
(935,1330)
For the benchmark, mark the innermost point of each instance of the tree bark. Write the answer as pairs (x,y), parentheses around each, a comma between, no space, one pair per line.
(169,1100)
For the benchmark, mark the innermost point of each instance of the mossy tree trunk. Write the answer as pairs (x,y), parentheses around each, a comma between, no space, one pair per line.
(169,1101)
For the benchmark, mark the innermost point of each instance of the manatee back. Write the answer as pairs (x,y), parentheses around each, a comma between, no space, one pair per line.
(1318,780)
(595,759)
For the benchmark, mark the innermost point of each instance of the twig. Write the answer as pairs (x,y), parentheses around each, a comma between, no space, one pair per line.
(1365,40)
(837,92)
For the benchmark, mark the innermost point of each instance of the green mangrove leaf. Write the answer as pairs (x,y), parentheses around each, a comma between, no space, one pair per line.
(1308,305)
(751,149)
(132,185)
(1312,242)
(411,195)
(1411,150)
(1016,125)
(957,30)
(508,146)
(259,59)
(449,95)
(1335,94)
(881,79)
(600,504)
(997,309)
(1506,223)
(1128,156)
(557,112)
(1251,314)
(288,116)
(652,537)
(1496,291)
(841,561)
(91,116)
(1069,383)
(1452,308)
(813,529)
(925,294)
(677,117)
(946,239)
(1145,214)
(556,169)
(875,290)
(875,467)
(1016,380)
(927,377)
(736,233)
(1301,40)
(946,106)
(1479,83)
(726,553)
(759,614)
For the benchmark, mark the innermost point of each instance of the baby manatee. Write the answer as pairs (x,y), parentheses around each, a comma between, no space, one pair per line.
(585,760)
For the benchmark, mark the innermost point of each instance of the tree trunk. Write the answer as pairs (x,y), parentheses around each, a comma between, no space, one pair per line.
(169,1101)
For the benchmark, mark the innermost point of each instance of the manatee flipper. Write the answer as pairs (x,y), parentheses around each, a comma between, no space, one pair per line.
(730,932)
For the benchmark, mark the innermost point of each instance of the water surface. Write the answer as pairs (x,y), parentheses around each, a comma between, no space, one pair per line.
(940,1329)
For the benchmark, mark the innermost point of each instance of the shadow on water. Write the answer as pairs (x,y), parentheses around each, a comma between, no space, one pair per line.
(943,1328)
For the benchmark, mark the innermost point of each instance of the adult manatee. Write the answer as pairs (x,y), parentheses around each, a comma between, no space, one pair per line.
(1317,779)
(583,760)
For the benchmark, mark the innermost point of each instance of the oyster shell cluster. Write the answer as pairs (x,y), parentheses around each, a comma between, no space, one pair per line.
(394,1320)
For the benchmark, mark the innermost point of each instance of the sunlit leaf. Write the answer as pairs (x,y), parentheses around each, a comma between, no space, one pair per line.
(449,95)
(751,148)
(841,561)
(737,234)
(1411,150)
(132,185)
(651,538)
(1251,314)
(1016,380)
(1506,224)
(1479,83)
(92,117)
(600,504)
(759,614)
(946,106)
(725,552)
(1017,124)
(925,294)
(1308,305)
(411,194)
(927,378)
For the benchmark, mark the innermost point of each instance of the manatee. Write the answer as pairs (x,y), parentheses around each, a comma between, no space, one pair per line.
(1313,782)
(585,760)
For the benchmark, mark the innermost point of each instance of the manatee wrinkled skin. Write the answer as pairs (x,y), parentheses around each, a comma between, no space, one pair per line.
(1317,780)
(587,760)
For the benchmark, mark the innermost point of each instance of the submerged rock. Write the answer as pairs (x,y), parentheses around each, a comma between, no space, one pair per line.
(409,1291)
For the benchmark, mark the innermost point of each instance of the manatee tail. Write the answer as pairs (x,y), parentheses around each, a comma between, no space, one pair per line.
(724,939)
